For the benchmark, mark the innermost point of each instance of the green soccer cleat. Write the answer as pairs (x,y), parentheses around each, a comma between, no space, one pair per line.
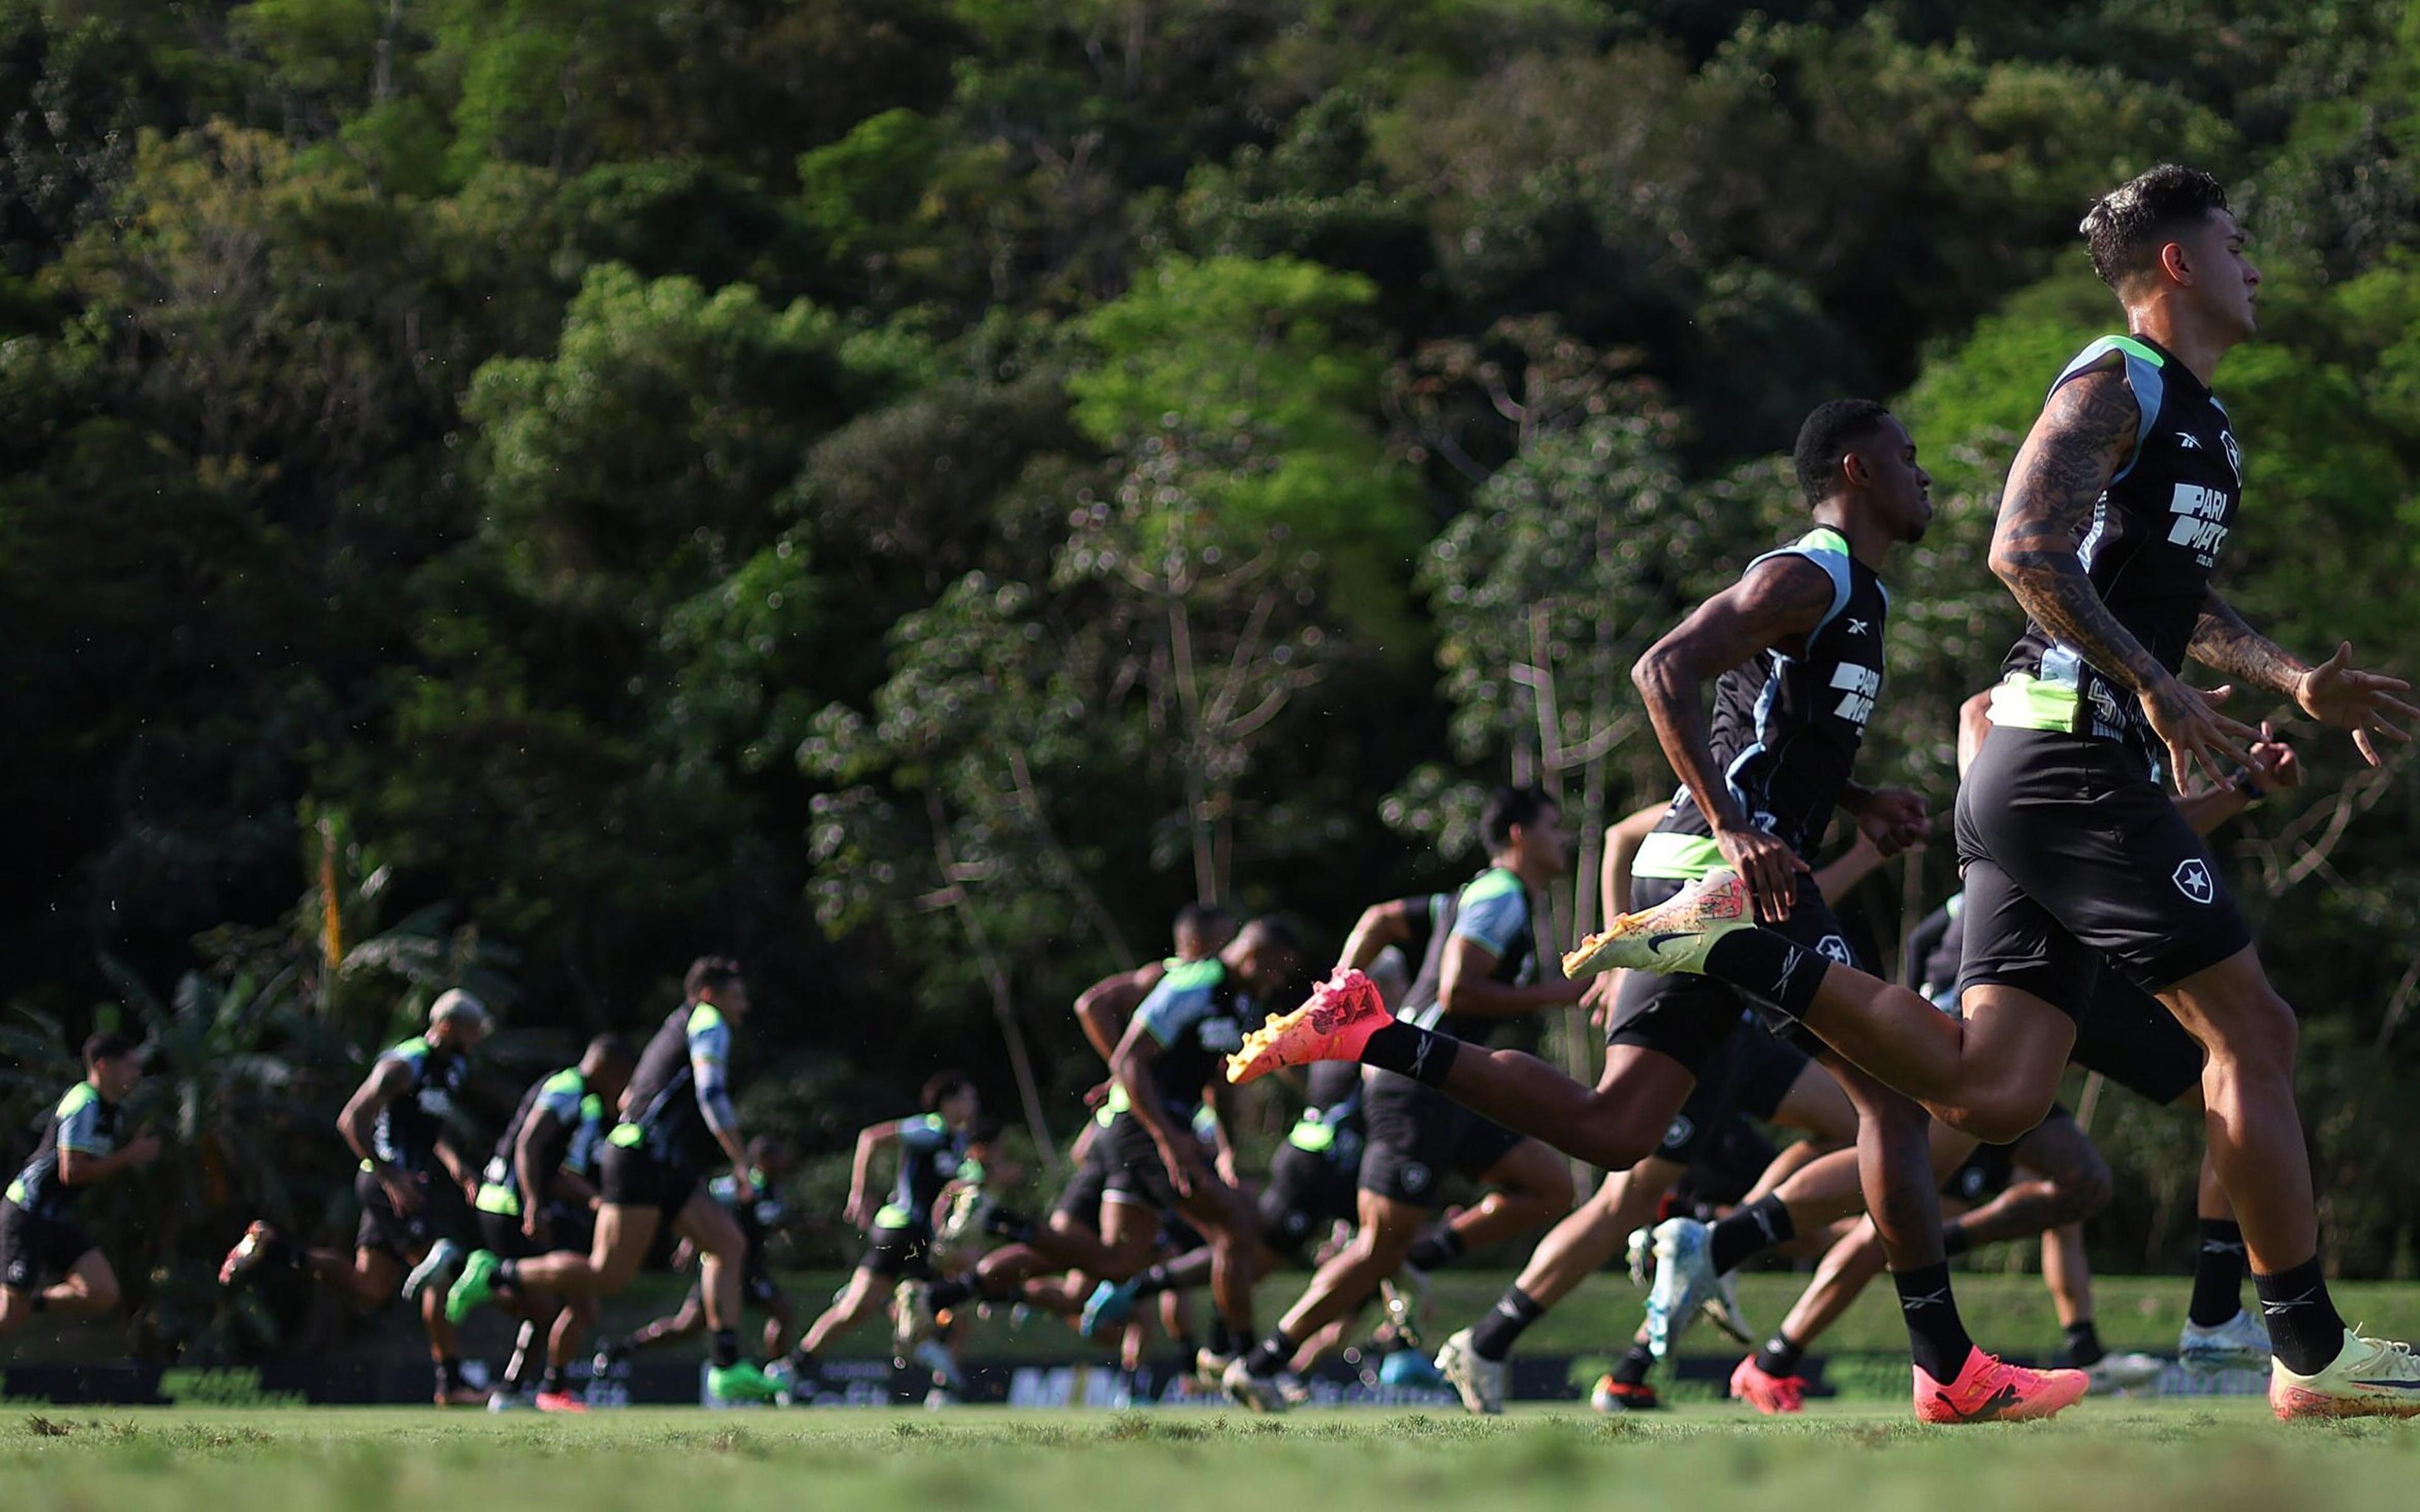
(1672,936)
(741,1383)
(474,1287)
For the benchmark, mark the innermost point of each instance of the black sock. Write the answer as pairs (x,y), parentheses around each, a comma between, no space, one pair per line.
(449,1374)
(550,1379)
(1270,1355)
(724,1350)
(508,1273)
(1780,1355)
(1935,1335)
(1151,1282)
(2218,1274)
(1760,962)
(1491,1337)
(2084,1347)
(1422,1055)
(1222,1338)
(2305,1327)
(1440,1246)
(1955,1240)
(949,1293)
(1013,1226)
(1633,1370)
(1751,1230)
(803,1364)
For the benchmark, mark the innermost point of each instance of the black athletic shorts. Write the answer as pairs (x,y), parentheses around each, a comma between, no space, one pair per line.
(2127,1035)
(894,1252)
(1749,1077)
(443,1211)
(1307,1192)
(1415,1134)
(566,1228)
(635,1178)
(1134,1171)
(1689,1018)
(1080,1198)
(33,1247)
(1731,1159)
(2072,853)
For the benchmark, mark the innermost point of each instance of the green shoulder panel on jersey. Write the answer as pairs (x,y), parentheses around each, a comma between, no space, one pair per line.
(1186,976)
(591,1106)
(1823,538)
(411,1049)
(1493,883)
(78,1097)
(566,1081)
(702,1017)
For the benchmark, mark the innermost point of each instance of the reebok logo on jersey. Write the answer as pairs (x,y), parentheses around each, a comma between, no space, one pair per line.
(1859,685)
(2193,879)
(2199,527)
(2190,441)
(1859,627)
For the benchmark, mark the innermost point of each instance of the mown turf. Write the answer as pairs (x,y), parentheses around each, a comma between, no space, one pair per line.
(2208,1458)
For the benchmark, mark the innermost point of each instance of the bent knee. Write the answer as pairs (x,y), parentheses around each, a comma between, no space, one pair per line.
(2002,1116)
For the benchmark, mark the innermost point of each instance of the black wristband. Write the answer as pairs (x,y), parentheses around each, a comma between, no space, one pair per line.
(2246,783)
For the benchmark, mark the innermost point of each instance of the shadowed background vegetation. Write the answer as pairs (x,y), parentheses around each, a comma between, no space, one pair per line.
(909,491)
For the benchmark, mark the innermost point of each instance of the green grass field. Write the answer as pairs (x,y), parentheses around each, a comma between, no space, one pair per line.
(2200,1456)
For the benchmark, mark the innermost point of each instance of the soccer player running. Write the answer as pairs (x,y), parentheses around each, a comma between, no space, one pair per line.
(1796,649)
(2112,523)
(1165,1063)
(39,1235)
(1753,1073)
(414,1186)
(528,1203)
(935,1148)
(677,1116)
(1479,965)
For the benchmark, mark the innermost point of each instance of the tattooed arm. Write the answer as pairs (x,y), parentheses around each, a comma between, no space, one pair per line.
(2083,435)
(1783,599)
(2221,640)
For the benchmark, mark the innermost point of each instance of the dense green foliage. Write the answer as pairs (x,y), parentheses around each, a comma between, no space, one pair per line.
(908,492)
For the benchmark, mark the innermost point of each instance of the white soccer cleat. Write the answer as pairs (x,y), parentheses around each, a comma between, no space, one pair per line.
(2113,1373)
(1262,1394)
(912,1316)
(437,1268)
(1685,1279)
(1479,1382)
(2240,1343)
(2368,1378)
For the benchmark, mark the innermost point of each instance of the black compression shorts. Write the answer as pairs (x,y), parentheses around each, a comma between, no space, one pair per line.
(33,1247)
(2072,854)
(444,1213)
(635,1178)
(1416,1135)
(1308,1191)
(1690,1018)
(898,1252)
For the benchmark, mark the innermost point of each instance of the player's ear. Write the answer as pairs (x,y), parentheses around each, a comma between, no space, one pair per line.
(1858,472)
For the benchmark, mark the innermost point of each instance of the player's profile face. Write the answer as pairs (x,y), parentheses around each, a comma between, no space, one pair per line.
(2225,283)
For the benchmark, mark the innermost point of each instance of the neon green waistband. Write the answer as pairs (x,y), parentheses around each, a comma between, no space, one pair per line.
(17,1191)
(2025,701)
(625,1136)
(1313,1135)
(497,1199)
(893,1216)
(1675,856)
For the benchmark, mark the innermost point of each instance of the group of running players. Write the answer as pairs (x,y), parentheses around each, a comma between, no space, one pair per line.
(2094,928)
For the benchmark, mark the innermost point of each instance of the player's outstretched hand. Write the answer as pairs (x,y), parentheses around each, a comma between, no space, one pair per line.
(2188,722)
(2336,692)
(1894,819)
(2275,764)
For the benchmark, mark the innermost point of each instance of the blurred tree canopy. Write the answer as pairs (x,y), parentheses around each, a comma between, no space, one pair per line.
(909,493)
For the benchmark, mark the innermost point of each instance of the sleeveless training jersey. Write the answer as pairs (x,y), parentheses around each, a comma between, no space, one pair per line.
(1787,727)
(930,1153)
(1196,1014)
(562,1097)
(409,1126)
(1493,908)
(2154,539)
(665,1115)
(82,1121)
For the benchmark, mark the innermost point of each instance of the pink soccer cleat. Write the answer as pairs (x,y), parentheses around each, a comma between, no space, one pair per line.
(1337,1021)
(1992,1391)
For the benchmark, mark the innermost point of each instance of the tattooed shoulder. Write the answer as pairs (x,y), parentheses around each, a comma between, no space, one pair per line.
(2086,430)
